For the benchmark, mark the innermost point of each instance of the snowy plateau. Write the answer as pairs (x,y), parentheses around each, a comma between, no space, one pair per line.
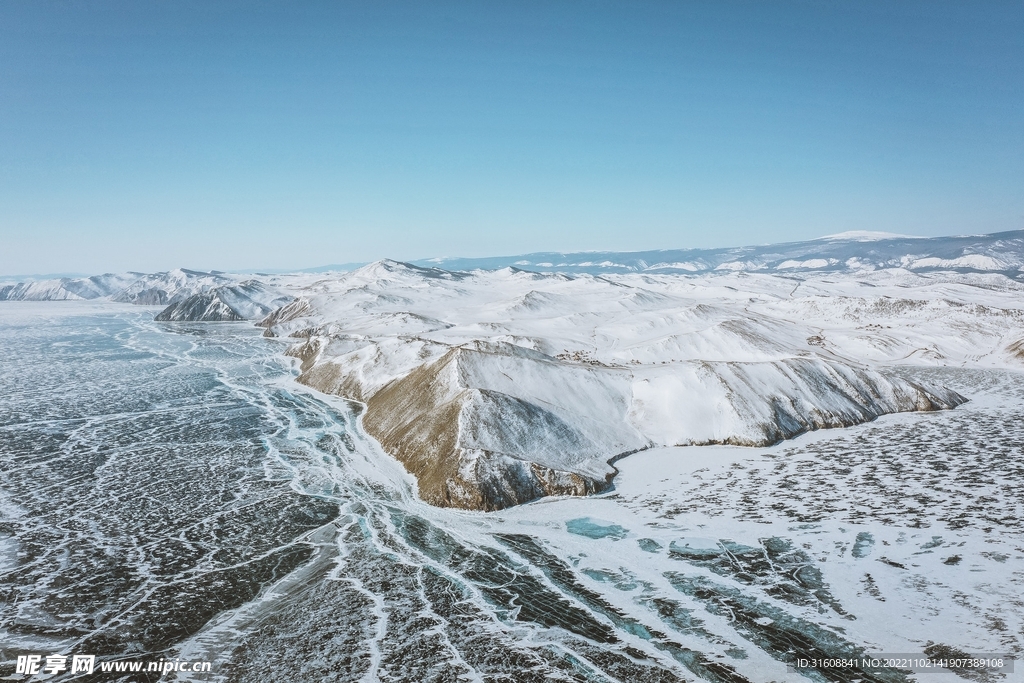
(660,466)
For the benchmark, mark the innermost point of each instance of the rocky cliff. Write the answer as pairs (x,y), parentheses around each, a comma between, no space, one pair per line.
(488,426)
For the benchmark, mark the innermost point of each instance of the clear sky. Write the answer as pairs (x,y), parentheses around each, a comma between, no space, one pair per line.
(238,135)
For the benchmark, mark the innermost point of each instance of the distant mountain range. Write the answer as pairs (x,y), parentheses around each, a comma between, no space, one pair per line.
(998,252)
(214,295)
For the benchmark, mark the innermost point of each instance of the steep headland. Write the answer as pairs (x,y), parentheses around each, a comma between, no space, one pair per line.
(499,387)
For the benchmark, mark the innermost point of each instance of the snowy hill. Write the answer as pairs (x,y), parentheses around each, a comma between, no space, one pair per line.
(498,387)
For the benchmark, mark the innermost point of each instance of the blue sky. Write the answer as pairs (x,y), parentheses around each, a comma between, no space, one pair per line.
(237,135)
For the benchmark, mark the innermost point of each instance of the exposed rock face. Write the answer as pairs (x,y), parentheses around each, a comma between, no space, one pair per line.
(154,296)
(205,306)
(295,309)
(472,442)
(1016,349)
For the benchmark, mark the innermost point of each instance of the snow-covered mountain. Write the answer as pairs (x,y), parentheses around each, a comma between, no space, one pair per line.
(246,300)
(65,289)
(847,252)
(186,294)
(161,289)
(497,387)
(155,289)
